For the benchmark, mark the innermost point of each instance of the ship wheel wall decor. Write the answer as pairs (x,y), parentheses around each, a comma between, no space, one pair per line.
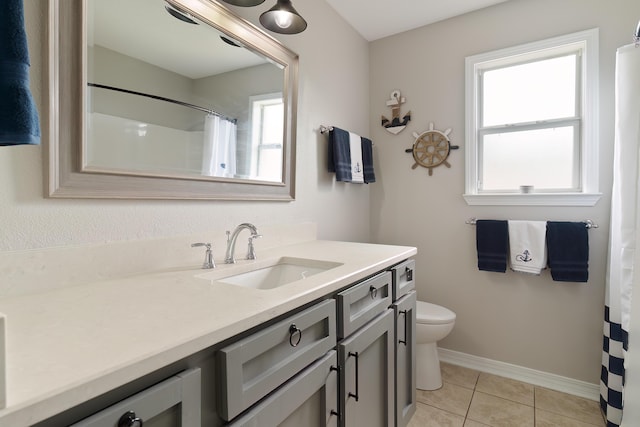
(431,148)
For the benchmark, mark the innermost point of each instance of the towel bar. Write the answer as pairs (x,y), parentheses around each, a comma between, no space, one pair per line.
(326,129)
(587,223)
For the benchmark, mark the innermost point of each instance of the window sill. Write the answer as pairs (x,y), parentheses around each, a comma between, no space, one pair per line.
(533,199)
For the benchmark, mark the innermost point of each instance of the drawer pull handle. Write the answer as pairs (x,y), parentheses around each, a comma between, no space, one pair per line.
(409,273)
(338,371)
(355,395)
(404,312)
(130,419)
(373,291)
(295,335)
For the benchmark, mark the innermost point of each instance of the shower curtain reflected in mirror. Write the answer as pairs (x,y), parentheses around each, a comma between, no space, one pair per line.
(219,149)
(623,233)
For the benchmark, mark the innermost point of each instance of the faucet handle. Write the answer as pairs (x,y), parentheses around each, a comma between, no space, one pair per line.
(208,255)
(251,250)
(195,245)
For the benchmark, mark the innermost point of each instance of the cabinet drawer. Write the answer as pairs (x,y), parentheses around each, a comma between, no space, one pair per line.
(362,302)
(157,401)
(404,275)
(309,399)
(251,368)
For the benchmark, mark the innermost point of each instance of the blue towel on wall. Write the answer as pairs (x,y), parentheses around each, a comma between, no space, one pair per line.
(19,123)
(568,251)
(367,161)
(492,244)
(340,154)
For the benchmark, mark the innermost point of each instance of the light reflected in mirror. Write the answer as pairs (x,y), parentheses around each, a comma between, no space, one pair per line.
(171,96)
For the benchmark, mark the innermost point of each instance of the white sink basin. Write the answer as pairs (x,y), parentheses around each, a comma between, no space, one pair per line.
(276,273)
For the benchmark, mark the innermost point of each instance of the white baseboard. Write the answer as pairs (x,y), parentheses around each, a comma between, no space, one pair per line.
(531,376)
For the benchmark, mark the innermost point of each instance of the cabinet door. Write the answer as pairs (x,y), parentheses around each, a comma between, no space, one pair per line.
(309,399)
(405,347)
(174,402)
(366,383)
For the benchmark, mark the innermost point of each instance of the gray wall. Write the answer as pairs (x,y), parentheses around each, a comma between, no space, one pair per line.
(528,321)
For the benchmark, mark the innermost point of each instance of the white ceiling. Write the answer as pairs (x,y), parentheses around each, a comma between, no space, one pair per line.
(146,31)
(375,19)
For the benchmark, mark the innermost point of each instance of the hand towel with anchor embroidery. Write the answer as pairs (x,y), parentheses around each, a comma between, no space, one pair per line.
(527,246)
(346,157)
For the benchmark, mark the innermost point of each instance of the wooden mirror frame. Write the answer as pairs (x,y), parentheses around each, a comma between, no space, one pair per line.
(66,121)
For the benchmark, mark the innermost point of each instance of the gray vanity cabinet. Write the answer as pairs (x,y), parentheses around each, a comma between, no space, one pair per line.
(174,402)
(366,383)
(347,360)
(405,352)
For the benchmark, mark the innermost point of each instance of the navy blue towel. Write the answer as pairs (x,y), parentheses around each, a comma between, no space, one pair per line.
(568,251)
(492,243)
(19,123)
(340,154)
(367,161)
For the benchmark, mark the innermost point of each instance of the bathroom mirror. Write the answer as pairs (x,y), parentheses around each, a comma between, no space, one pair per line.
(176,99)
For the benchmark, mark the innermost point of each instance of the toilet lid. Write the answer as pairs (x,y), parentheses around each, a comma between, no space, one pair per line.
(433,314)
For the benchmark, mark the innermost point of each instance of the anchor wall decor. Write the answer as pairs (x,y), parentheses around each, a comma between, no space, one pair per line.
(395,125)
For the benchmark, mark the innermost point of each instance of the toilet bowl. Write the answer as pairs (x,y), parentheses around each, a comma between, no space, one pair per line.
(433,323)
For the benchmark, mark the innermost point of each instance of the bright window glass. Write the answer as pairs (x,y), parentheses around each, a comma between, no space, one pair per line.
(267,116)
(533,91)
(542,158)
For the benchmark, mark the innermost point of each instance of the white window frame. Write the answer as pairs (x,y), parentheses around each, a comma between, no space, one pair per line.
(587,195)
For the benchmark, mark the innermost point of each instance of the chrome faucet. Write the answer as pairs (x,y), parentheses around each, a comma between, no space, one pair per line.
(208,256)
(231,242)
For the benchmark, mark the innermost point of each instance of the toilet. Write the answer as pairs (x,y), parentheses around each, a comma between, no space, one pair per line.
(433,323)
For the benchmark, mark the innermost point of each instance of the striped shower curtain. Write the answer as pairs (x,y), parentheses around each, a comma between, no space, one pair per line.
(623,232)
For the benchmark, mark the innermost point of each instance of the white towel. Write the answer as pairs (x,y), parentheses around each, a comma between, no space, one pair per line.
(357,168)
(527,246)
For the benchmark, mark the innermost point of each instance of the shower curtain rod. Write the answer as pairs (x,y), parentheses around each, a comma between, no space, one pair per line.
(587,223)
(162,98)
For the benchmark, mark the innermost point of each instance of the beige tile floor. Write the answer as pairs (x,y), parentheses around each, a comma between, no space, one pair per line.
(470,398)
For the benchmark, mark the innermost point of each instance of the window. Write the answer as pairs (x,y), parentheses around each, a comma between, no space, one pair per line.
(267,116)
(531,134)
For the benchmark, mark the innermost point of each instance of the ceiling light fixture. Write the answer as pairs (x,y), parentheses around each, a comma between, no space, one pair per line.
(178,14)
(283,18)
(244,3)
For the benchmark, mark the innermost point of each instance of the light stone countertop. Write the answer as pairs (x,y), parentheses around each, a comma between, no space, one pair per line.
(68,345)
